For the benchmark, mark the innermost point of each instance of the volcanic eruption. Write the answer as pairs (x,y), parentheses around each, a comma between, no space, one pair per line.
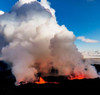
(32,42)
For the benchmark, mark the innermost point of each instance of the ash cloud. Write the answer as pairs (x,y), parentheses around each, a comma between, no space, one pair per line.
(33,42)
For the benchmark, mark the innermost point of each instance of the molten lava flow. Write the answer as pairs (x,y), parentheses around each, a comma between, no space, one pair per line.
(79,77)
(42,81)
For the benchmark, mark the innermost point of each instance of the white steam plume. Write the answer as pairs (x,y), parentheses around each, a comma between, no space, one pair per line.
(21,2)
(33,42)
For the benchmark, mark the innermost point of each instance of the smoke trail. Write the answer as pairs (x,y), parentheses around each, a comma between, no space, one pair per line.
(33,42)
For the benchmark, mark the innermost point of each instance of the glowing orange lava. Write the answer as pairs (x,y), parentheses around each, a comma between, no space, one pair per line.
(42,81)
(79,77)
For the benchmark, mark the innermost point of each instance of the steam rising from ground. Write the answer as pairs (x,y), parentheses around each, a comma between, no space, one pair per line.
(33,42)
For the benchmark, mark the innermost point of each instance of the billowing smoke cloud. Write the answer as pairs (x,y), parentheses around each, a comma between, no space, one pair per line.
(33,42)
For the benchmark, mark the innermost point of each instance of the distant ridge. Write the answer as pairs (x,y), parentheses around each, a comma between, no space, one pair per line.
(91,54)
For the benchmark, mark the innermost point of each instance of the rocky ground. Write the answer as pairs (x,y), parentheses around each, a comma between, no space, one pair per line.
(7,86)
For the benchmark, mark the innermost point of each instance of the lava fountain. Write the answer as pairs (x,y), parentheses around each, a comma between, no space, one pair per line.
(42,81)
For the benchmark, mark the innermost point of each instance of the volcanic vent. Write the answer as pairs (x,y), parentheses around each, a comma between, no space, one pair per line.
(33,42)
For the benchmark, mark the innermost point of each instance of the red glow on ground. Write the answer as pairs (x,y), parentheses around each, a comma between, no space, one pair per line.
(79,77)
(42,81)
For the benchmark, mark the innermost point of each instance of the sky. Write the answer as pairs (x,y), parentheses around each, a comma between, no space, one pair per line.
(80,16)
